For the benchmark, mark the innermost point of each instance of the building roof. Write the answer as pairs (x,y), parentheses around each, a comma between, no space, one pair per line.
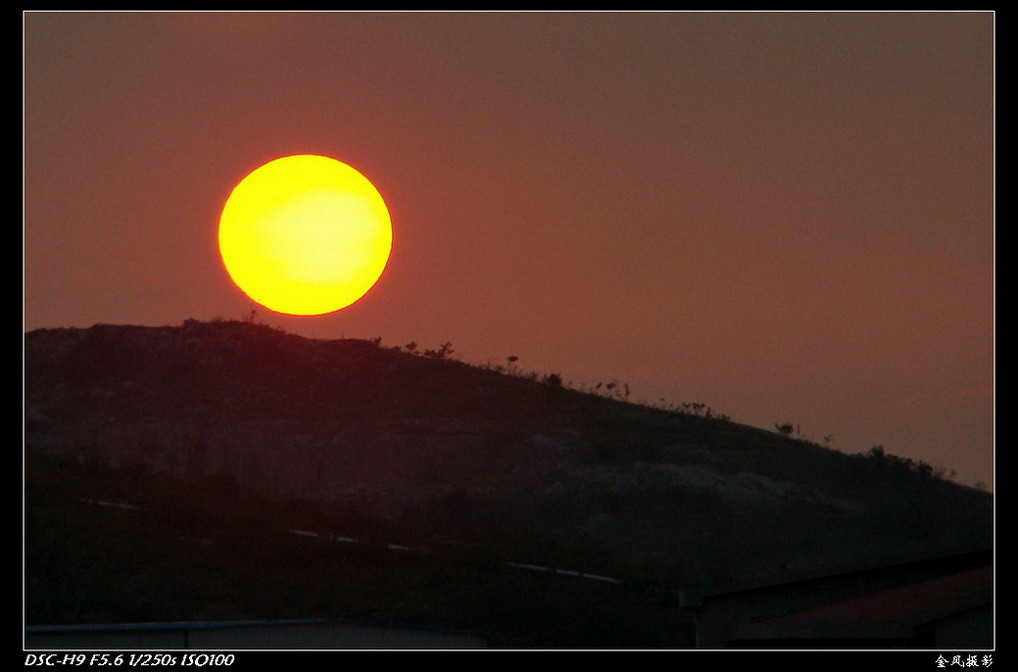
(912,603)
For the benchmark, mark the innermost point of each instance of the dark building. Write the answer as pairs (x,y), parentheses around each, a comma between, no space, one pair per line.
(941,603)
(304,634)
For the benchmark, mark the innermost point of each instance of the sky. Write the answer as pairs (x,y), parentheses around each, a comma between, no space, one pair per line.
(786,216)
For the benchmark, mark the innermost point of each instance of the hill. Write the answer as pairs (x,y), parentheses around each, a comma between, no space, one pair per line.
(231,470)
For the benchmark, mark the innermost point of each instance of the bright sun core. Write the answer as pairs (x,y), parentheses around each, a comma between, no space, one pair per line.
(305,235)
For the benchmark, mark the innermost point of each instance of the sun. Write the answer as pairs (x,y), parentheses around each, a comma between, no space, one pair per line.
(305,235)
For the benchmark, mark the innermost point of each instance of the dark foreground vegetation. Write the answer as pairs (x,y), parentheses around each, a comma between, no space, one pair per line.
(218,553)
(229,471)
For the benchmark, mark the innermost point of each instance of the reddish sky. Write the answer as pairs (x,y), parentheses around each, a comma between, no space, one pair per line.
(786,216)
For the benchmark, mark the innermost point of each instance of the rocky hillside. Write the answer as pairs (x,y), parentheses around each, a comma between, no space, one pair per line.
(426,450)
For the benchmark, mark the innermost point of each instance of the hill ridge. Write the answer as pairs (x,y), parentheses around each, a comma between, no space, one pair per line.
(441,447)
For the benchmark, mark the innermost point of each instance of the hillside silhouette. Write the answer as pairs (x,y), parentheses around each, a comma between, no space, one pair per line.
(229,470)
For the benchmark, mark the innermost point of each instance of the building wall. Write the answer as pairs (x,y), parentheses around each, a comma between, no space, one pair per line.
(971,629)
(226,636)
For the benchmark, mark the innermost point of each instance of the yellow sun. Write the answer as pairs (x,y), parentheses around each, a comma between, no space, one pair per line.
(305,235)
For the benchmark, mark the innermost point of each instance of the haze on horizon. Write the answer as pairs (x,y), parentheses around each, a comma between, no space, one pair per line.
(787,216)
